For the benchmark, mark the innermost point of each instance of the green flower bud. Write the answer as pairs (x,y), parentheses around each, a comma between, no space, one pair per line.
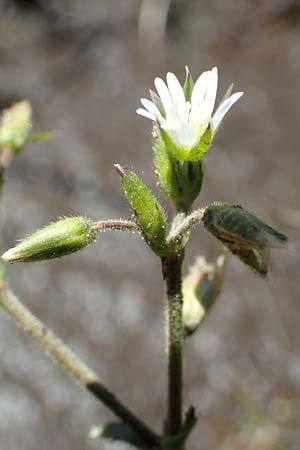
(200,289)
(15,126)
(180,181)
(149,214)
(243,234)
(53,241)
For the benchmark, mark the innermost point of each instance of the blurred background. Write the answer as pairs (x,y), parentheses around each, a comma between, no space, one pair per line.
(84,66)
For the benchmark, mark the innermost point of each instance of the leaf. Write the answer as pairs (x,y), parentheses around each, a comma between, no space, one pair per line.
(119,431)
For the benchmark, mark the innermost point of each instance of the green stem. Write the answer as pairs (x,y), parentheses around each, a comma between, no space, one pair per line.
(67,360)
(172,274)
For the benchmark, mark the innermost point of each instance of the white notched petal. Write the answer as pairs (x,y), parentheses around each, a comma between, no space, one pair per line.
(144,113)
(211,92)
(200,89)
(175,90)
(224,108)
(152,108)
(165,96)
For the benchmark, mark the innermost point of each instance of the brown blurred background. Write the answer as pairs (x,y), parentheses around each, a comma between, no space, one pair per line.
(84,66)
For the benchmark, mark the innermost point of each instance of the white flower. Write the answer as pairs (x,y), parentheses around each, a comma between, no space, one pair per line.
(186,120)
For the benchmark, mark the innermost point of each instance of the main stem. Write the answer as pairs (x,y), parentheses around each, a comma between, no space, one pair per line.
(79,371)
(172,266)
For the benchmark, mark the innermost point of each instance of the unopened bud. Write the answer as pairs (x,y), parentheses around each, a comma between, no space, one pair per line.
(15,126)
(149,214)
(200,289)
(53,241)
(243,234)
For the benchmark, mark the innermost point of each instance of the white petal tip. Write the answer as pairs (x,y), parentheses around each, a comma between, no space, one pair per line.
(144,113)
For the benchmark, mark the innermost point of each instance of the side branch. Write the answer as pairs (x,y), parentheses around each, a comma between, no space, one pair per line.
(116,225)
(180,232)
(67,360)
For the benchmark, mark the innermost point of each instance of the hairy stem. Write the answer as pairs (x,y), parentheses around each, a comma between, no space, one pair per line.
(116,225)
(172,274)
(179,231)
(67,360)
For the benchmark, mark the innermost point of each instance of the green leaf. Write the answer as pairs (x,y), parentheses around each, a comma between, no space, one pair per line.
(44,137)
(119,431)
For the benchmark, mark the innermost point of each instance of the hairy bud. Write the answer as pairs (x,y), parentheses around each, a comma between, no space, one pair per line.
(15,126)
(149,214)
(243,234)
(53,241)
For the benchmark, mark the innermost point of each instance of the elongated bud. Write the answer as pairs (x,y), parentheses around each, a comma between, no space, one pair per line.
(53,241)
(243,234)
(15,126)
(149,214)
(180,181)
(200,289)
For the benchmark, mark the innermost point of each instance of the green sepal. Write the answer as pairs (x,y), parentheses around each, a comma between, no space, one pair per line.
(180,181)
(180,153)
(243,234)
(149,214)
(188,86)
(200,150)
(57,239)
(15,126)
(186,154)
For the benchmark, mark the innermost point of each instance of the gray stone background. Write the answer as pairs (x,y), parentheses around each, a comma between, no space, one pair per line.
(84,66)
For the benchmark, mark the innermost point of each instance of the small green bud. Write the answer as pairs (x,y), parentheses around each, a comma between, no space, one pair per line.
(200,289)
(15,126)
(180,181)
(243,234)
(149,214)
(53,241)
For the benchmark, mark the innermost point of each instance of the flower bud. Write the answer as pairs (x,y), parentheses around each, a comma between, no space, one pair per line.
(53,241)
(243,234)
(180,181)
(200,289)
(15,126)
(149,214)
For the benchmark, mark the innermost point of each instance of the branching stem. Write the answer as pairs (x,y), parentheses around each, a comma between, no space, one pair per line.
(67,360)
(116,225)
(179,232)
